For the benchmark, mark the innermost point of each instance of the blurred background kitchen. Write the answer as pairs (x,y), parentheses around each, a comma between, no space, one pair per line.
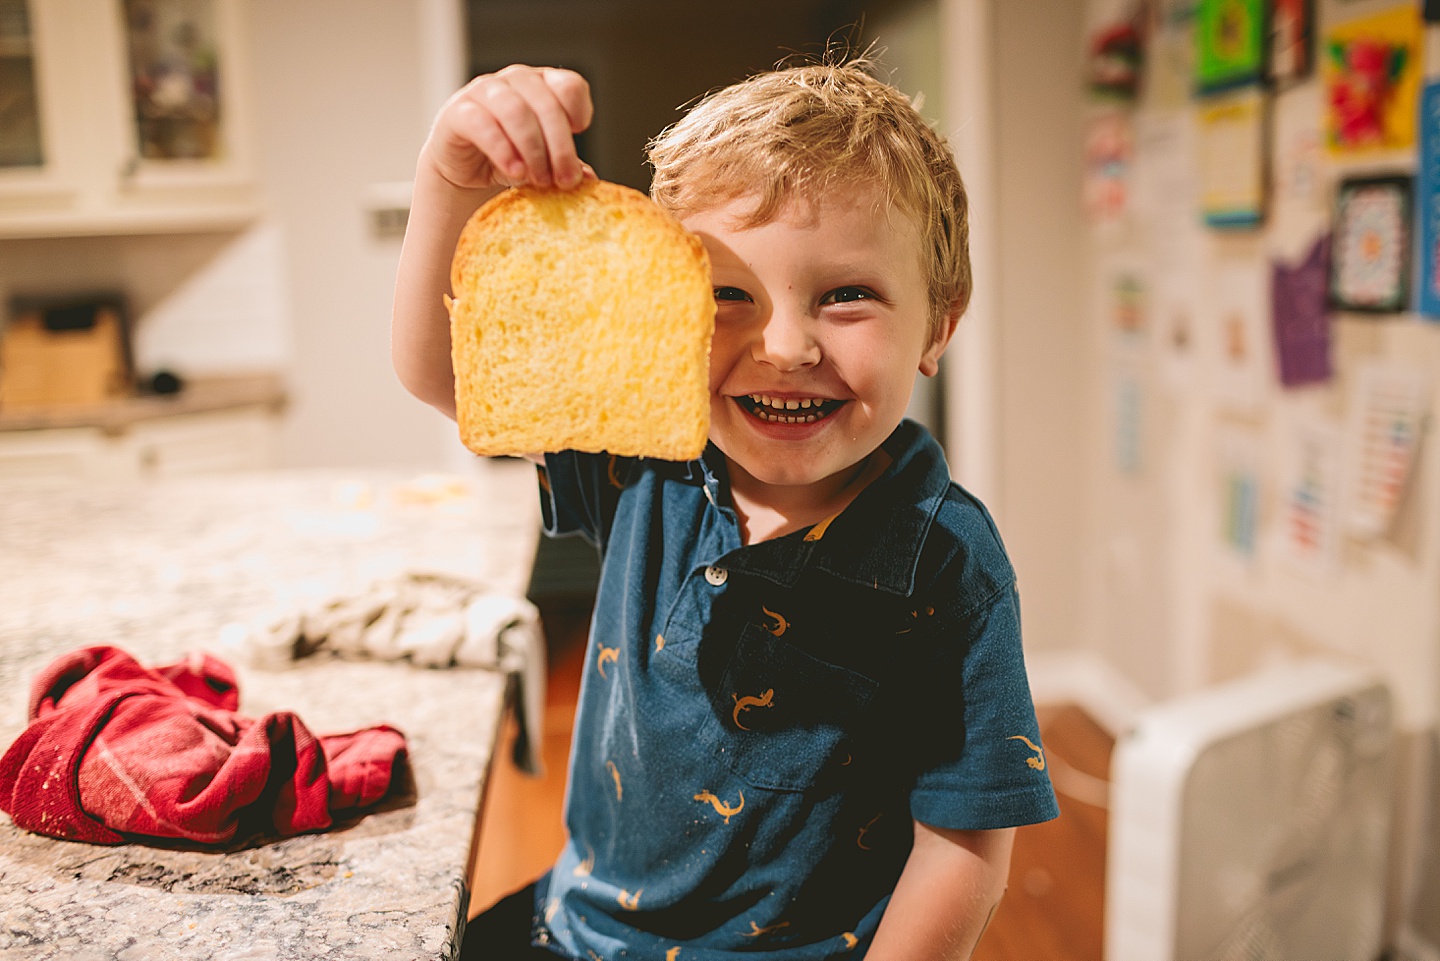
(1195,386)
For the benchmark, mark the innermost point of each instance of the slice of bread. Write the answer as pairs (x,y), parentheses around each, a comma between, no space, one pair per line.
(581,320)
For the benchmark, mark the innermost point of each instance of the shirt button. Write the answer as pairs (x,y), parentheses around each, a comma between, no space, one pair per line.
(716,575)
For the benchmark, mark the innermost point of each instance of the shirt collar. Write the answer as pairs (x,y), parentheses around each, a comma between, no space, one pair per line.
(875,542)
(707,472)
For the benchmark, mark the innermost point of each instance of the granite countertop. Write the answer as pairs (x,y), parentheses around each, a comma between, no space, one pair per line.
(160,570)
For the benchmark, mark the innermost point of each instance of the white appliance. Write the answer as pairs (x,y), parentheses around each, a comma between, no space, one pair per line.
(1250,821)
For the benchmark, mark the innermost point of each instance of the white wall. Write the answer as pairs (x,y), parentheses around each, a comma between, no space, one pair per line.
(1040,334)
(1016,376)
(341,103)
(229,315)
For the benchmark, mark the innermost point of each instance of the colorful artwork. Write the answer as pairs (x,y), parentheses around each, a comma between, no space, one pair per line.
(1166,178)
(1241,502)
(1313,477)
(1230,37)
(1128,307)
(1176,341)
(1427,199)
(1372,81)
(1109,151)
(1299,149)
(1302,323)
(1370,257)
(1117,55)
(1178,14)
(1232,160)
(1386,419)
(1170,55)
(1239,297)
(1129,401)
(1292,40)
(1239,461)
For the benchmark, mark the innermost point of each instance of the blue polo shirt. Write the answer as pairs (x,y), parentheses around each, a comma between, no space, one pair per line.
(758,725)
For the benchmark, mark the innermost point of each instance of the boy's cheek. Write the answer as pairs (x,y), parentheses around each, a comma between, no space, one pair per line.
(721,362)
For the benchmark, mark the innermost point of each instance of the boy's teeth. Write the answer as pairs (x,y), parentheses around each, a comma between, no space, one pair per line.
(777,419)
(778,411)
(776,403)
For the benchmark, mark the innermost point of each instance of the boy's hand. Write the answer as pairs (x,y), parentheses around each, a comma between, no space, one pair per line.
(500,130)
(513,127)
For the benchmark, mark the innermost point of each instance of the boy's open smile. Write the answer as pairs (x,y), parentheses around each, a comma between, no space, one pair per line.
(788,409)
(822,320)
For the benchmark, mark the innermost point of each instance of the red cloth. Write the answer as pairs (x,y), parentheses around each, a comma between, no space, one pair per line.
(115,749)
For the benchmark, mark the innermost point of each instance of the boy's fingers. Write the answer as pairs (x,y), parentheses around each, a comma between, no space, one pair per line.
(573,92)
(521,121)
(564,165)
(524,130)
(477,127)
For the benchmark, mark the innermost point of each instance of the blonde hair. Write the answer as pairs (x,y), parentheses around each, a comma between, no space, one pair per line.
(804,130)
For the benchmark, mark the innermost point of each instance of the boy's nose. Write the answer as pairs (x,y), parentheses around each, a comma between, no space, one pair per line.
(786,341)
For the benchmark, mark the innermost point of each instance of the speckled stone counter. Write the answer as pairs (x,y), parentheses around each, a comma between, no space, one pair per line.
(161,570)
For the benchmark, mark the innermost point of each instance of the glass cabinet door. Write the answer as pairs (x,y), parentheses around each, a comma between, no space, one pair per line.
(124,115)
(20,144)
(174,78)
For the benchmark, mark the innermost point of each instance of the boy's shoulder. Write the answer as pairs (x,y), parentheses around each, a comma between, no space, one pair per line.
(916,532)
(961,554)
(965,550)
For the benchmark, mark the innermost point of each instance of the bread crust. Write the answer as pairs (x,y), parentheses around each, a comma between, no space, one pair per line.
(581,320)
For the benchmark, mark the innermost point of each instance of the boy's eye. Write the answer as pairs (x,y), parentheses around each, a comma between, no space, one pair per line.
(847,295)
(731,295)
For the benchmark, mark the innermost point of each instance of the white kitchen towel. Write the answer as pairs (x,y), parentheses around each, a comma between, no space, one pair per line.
(433,620)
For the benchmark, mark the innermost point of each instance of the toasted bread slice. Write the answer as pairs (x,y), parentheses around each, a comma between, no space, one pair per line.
(581,320)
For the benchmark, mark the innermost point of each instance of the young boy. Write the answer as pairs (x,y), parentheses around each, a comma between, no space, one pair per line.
(804,727)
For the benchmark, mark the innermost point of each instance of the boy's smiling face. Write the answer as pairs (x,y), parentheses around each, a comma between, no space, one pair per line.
(822,320)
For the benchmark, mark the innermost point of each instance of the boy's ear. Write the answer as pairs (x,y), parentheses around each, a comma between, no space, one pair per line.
(930,360)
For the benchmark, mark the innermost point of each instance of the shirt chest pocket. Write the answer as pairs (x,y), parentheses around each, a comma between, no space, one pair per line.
(781,718)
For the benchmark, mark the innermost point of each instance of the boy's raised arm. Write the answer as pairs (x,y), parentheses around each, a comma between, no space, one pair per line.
(502,129)
(420,325)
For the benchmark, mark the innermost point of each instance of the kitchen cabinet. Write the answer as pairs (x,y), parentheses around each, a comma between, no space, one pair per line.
(226,424)
(76,453)
(124,116)
(203,443)
(166,447)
